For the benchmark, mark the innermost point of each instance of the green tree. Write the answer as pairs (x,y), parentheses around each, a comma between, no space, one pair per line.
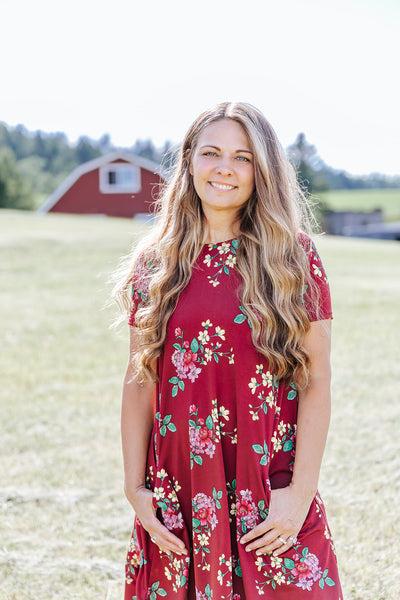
(308,165)
(14,191)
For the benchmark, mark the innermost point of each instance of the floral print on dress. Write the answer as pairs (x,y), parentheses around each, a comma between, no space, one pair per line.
(301,569)
(165,497)
(284,440)
(221,257)
(268,393)
(244,509)
(177,571)
(205,434)
(204,521)
(189,358)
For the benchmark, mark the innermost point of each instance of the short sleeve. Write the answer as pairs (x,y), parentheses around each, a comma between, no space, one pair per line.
(140,286)
(316,293)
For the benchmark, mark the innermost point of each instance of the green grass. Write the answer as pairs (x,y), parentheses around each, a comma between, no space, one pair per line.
(365,200)
(65,523)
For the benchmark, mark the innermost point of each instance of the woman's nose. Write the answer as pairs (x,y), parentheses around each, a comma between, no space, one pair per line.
(224,167)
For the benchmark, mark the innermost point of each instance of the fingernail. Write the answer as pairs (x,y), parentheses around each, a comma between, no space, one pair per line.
(258,552)
(248,549)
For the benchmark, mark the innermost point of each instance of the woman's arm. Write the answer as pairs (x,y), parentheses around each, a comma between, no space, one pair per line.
(137,419)
(289,506)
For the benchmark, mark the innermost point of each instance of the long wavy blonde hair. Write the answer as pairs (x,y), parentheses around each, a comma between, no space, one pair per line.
(272,262)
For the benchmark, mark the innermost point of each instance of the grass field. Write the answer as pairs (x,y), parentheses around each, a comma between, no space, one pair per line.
(65,523)
(365,200)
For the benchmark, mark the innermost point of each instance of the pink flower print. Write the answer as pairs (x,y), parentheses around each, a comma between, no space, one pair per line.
(204,510)
(172,520)
(178,332)
(246,510)
(307,570)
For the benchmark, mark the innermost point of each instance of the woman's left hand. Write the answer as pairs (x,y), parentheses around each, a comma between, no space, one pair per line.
(278,532)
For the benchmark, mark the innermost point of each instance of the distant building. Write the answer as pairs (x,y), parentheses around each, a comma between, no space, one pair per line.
(117,184)
(360,224)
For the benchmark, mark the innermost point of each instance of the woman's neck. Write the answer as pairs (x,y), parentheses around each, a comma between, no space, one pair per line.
(219,230)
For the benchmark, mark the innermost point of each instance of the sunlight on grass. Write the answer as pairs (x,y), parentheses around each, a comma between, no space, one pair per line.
(65,521)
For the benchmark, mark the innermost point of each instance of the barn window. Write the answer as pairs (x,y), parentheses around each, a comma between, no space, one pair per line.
(117,178)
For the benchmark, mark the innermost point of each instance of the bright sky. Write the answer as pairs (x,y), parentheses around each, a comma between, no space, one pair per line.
(140,69)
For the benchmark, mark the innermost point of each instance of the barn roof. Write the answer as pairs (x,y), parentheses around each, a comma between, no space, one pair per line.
(92,165)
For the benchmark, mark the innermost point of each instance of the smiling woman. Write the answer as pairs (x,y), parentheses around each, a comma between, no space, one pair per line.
(226,397)
(223,176)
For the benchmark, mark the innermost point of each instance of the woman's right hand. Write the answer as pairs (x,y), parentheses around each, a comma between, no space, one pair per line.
(142,503)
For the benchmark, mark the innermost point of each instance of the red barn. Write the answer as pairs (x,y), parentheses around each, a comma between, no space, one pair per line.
(118,184)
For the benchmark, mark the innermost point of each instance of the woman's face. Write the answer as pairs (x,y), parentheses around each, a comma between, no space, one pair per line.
(222,166)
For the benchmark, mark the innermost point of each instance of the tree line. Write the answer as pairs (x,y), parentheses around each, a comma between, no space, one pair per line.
(33,164)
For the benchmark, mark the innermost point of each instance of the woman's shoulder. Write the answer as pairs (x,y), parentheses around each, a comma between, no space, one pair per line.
(305,240)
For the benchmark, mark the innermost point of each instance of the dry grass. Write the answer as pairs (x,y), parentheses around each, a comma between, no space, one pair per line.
(64,521)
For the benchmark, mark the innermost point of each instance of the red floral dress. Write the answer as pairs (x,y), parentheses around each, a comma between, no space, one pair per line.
(224,435)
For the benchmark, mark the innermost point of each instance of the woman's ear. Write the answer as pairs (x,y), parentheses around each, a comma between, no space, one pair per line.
(187,157)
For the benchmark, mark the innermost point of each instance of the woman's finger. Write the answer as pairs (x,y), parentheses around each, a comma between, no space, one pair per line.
(166,540)
(278,546)
(256,532)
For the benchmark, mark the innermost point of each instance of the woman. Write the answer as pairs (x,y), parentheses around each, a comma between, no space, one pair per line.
(226,398)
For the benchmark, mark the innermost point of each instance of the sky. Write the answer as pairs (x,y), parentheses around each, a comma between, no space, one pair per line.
(328,68)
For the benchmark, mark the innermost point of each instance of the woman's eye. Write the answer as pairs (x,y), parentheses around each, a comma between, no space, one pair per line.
(209,153)
(243,158)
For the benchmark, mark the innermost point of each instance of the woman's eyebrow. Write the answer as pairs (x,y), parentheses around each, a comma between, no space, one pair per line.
(217,148)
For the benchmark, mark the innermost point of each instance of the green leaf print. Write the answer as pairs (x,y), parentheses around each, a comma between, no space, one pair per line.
(163,430)
(257,448)
(287,446)
(155,586)
(239,319)
(291,395)
(196,523)
(235,244)
(289,563)
(194,346)
(172,427)
(177,346)
(305,551)
(329,582)
(209,423)
(173,380)
(181,385)
(174,391)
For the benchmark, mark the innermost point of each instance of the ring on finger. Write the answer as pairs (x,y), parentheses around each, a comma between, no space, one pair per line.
(281,539)
(293,539)
(153,539)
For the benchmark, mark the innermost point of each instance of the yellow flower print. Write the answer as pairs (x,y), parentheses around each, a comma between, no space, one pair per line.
(253,385)
(168,573)
(282,428)
(206,324)
(220,332)
(259,369)
(207,260)
(266,378)
(203,337)
(317,270)
(231,359)
(203,539)
(221,559)
(224,412)
(276,561)
(162,473)
(277,443)
(231,261)
(159,493)
(259,563)
(220,577)
(279,578)
(254,416)
(208,354)
(224,248)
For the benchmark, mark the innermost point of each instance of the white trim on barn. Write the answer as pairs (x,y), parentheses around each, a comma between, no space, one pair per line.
(92,165)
